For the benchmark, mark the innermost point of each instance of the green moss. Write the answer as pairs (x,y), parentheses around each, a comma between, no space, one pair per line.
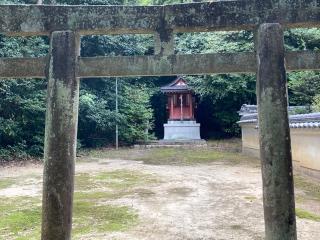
(20,218)
(92,190)
(6,182)
(99,196)
(177,156)
(310,188)
(120,179)
(236,227)
(110,153)
(233,144)
(250,198)
(123,179)
(90,217)
(19,221)
(182,156)
(301,213)
(84,181)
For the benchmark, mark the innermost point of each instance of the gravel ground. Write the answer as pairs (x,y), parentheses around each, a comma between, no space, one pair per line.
(213,201)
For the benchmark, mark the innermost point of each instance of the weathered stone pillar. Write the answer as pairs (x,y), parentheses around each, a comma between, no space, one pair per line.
(60,136)
(275,146)
(164,42)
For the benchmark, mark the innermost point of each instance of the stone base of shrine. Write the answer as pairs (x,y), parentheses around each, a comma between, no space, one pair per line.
(182,130)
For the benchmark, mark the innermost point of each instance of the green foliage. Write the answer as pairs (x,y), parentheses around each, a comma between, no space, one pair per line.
(302,39)
(303,86)
(316,103)
(97,115)
(95,120)
(137,115)
(84,2)
(22,104)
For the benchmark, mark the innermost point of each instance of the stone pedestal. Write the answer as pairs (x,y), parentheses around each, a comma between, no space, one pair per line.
(182,130)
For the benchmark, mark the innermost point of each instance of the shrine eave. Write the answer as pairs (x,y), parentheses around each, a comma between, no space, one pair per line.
(176,89)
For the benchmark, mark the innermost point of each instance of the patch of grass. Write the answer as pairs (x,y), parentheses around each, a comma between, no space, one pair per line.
(123,179)
(110,153)
(310,188)
(25,180)
(218,150)
(96,195)
(301,213)
(233,144)
(236,227)
(6,182)
(170,156)
(115,180)
(93,218)
(23,223)
(20,218)
(250,198)
(106,186)
(91,214)
(84,181)
(183,156)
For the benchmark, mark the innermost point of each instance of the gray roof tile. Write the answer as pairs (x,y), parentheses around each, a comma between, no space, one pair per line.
(249,114)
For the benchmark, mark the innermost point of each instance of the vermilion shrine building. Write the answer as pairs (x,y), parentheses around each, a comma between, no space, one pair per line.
(181,104)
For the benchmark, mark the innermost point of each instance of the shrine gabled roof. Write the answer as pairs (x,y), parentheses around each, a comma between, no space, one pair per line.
(178,85)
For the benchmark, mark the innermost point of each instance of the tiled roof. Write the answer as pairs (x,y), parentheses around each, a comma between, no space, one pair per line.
(305,125)
(310,120)
(249,109)
(174,87)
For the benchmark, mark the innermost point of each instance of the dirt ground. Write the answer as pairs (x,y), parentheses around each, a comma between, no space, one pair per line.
(212,201)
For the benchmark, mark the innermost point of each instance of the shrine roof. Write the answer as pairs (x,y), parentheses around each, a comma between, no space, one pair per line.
(178,85)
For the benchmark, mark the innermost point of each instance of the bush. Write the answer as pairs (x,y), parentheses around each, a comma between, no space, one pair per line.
(316,103)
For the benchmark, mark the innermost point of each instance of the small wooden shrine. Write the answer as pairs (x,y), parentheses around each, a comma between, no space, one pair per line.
(180,100)
(181,104)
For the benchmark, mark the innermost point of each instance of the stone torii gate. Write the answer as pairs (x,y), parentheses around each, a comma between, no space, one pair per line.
(64,67)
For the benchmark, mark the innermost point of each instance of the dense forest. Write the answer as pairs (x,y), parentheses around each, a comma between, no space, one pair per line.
(141,104)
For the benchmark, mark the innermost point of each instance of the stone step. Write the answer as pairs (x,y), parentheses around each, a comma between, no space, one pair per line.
(173,143)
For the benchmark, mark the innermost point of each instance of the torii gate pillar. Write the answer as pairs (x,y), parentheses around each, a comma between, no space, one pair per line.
(275,145)
(60,136)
